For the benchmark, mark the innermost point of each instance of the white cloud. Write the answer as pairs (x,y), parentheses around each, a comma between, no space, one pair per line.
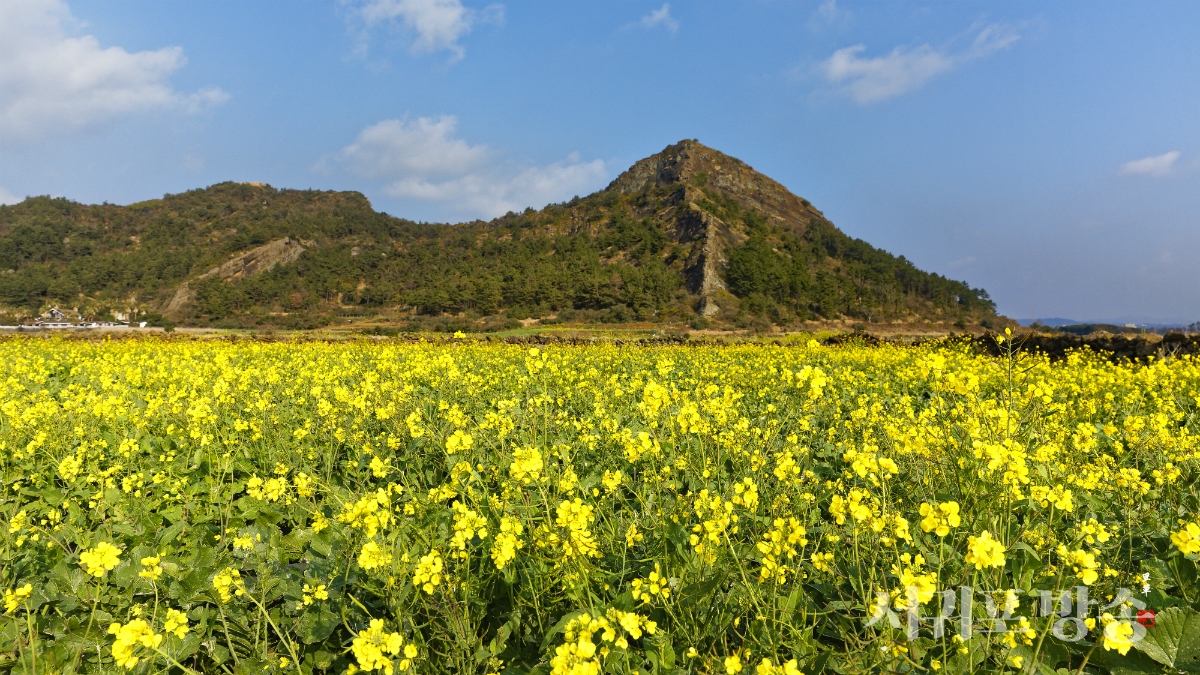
(868,80)
(661,17)
(828,14)
(7,197)
(438,24)
(962,262)
(51,83)
(422,159)
(1162,165)
(424,147)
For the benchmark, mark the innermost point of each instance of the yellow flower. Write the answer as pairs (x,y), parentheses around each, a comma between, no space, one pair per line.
(373,646)
(16,597)
(467,525)
(526,465)
(632,536)
(254,487)
(458,441)
(507,541)
(768,667)
(100,559)
(176,623)
(1118,635)
(733,664)
(429,571)
(940,518)
(1083,563)
(1187,540)
(313,593)
(128,638)
(576,517)
(653,587)
(228,583)
(68,468)
(150,568)
(17,522)
(612,480)
(372,557)
(983,551)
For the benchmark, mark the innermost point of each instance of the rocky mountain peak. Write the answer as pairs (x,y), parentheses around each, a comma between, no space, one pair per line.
(698,168)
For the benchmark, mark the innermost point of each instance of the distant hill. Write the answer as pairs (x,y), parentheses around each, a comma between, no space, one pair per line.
(1053,322)
(688,234)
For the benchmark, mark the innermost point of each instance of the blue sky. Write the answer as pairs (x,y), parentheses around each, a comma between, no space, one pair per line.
(1048,152)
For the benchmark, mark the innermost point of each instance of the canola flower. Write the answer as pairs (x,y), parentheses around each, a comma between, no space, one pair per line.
(1187,540)
(428,573)
(587,509)
(151,569)
(229,584)
(940,518)
(508,541)
(176,623)
(984,551)
(14,598)
(374,647)
(100,559)
(128,638)
(1118,636)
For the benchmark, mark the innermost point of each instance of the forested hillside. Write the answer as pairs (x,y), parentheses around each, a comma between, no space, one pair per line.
(688,234)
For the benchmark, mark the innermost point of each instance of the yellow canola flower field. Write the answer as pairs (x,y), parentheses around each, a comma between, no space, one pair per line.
(248,507)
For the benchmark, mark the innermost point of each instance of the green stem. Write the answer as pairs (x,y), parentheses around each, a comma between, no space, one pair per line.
(174,662)
(32,639)
(286,643)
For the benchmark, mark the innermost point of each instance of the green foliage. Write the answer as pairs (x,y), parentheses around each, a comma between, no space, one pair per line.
(614,256)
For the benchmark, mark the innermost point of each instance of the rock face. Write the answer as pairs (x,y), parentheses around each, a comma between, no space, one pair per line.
(248,264)
(689,172)
(688,163)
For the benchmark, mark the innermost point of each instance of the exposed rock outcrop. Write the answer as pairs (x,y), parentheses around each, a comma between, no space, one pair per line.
(692,169)
(248,264)
(689,163)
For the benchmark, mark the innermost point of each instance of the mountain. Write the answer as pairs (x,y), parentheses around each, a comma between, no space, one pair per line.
(688,234)
(1053,322)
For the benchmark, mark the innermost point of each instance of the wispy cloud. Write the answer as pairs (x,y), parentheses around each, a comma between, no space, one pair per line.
(660,17)
(51,82)
(872,79)
(7,197)
(422,159)
(436,25)
(829,14)
(962,262)
(1160,165)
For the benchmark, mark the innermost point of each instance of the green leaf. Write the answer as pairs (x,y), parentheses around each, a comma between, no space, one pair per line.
(558,627)
(497,644)
(694,593)
(1174,640)
(315,626)
(959,664)
(1133,663)
(1022,546)
(168,535)
(666,655)
(322,543)
(1160,576)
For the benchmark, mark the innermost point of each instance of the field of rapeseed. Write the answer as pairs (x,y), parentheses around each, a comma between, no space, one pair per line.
(248,508)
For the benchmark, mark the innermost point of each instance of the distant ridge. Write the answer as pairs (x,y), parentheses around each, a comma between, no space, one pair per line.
(1053,322)
(688,234)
